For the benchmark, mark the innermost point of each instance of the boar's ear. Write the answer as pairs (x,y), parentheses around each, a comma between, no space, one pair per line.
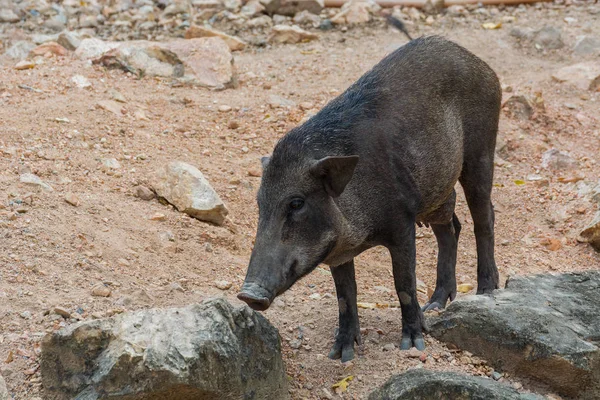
(336,172)
(265,161)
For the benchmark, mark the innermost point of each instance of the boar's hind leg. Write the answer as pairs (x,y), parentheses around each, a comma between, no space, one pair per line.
(403,253)
(445,286)
(349,331)
(476,179)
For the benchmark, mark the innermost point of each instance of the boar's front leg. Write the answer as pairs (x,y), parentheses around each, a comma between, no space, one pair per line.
(403,252)
(349,331)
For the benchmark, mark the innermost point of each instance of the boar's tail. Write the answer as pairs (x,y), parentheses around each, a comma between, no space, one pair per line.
(396,23)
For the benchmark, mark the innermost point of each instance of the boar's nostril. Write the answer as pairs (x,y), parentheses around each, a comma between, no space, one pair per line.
(256,303)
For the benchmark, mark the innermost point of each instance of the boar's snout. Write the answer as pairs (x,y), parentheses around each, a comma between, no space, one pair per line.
(255,297)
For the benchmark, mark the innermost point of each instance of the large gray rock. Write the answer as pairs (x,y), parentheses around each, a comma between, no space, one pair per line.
(545,327)
(3,390)
(421,384)
(206,351)
(185,187)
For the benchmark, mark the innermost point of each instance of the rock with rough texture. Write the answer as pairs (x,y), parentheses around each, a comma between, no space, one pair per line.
(584,75)
(252,9)
(210,350)
(290,34)
(548,38)
(591,233)
(143,59)
(233,42)
(4,395)
(208,61)
(69,40)
(19,50)
(205,61)
(292,7)
(557,160)
(93,48)
(544,327)
(34,180)
(185,187)
(355,12)
(49,48)
(8,15)
(421,384)
(587,45)
(519,107)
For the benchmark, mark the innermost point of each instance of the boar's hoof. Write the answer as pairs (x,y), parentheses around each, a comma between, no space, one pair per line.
(408,342)
(484,290)
(345,352)
(435,305)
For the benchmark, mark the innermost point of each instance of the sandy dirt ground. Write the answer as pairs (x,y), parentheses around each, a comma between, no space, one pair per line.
(53,253)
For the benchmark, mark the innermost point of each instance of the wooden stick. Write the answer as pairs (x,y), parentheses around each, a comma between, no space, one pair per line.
(420,4)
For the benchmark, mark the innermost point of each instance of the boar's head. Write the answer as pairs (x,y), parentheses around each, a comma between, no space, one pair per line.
(299,222)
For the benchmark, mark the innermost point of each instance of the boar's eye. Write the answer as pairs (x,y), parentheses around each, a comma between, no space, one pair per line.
(296,204)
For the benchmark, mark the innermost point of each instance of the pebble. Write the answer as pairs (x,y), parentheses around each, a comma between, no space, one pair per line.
(101,290)
(389,347)
(72,199)
(496,375)
(158,217)
(233,125)
(111,163)
(25,64)
(223,285)
(26,315)
(257,173)
(176,287)
(144,193)
(81,81)
(224,108)
(315,296)
(62,312)
(413,353)
(296,343)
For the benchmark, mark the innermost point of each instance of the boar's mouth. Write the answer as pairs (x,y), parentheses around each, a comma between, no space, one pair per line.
(255,302)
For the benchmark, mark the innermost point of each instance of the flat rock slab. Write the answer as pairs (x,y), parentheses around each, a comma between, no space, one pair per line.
(205,351)
(421,384)
(545,327)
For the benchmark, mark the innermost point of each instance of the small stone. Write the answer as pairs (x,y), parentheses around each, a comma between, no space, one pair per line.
(101,290)
(423,357)
(556,160)
(117,96)
(176,287)
(49,47)
(34,180)
(290,34)
(413,353)
(158,217)
(591,233)
(111,163)
(587,45)
(233,125)
(519,107)
(496,375)
(26,315)
(23,65)
(295,344)
(69,40)
(224,108)
(276,101)
(8,15)
(72,199)
(315,296)
(465,287)
(278,302)
(389,347)
(62,312)
(111,106)
(257,173)
(306,106)
(585,76)
(234,43)
(548,38)
(144,193)
(223,285)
